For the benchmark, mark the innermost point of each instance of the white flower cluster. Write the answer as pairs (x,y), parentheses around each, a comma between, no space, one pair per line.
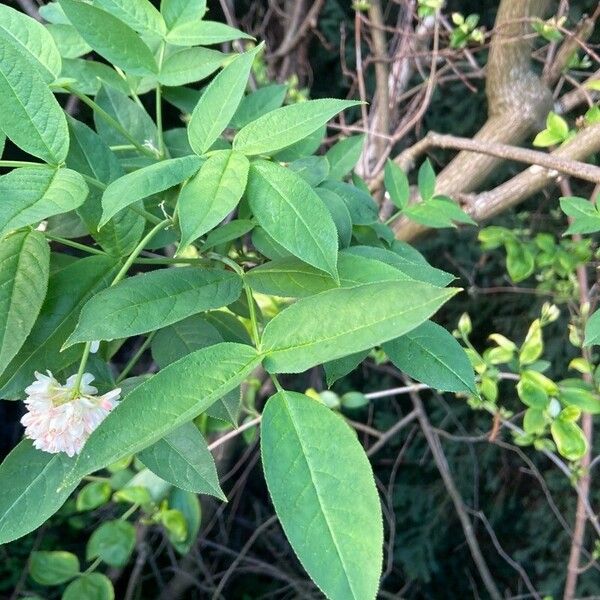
(59,419)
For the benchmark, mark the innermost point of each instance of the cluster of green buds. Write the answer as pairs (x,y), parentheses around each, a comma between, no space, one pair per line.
(550,28)
(466,30)
(428,8)
(552,409)
(553,261)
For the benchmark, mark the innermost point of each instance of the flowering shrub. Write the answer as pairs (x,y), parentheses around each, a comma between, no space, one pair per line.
(228,248)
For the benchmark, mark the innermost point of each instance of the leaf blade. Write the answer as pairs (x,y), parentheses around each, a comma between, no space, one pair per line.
(316,500)
(285,126)
(153,300)
(350,320)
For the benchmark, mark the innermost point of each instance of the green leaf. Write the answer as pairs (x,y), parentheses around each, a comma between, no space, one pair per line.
(534,421)
(520,262)
(110,37)
(339,213)
(138,14)
(426,181)
(219,102)
(177,12)
(396,184)
(349,320)
(189,65)
(228,326)
(33,495)
(340,367)
(431,355)
(290,277)
(125,111)
(569,439)
(30,116)
(293,215)
(172,397)
(411,263)
(258,103)
(89,155)
(188,505)
(313,169)
(592,330)
(154,300)
(68,41)
(182,458)
(32,194)
(344,155)
(362,208)
(329,509)
(113,542)
(305,147)
(32,40)
(204,33)
(574,393)
(144,182)
(53,568)
(547,138)
(68,290)
(93,586)
(24,271)
(208,197)
(227,233)
(53,13)
(557,125)
(93,495)
(176,341)
(437,212)
(285,126)
(585,215)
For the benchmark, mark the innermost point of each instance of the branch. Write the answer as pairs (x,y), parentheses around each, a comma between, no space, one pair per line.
(587,425)
(522,186)
(442,466)
(564,165)
(518,102)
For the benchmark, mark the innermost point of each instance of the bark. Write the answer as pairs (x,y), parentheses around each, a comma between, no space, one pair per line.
(518,102)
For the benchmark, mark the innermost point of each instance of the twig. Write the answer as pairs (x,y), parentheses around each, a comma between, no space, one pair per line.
(391,432)
(533,157)
(587,427)
(257,532)
(234,433)
(442,465)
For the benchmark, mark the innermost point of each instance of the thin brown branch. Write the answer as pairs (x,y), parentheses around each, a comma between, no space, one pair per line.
(442,465)
(561,164)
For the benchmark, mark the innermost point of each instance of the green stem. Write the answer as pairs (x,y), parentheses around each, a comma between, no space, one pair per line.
(22,163)
(172,261)
(129,512)
(122,147)
(158,97)
(253,320)
(136,252)
(132,362)
(147,215)
(93,181)
(81,370)
(77,245)
(93,566)
(393,217)
(276,382)
(111,121)
(118,277)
